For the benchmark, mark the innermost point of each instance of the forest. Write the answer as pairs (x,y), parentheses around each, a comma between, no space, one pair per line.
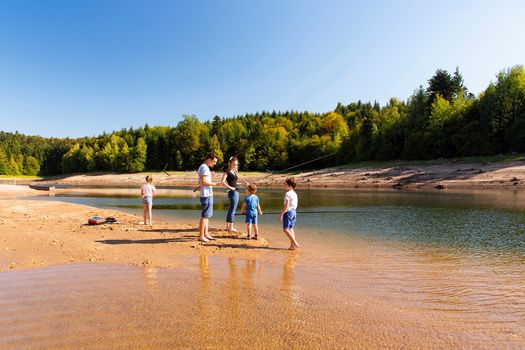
(439,120)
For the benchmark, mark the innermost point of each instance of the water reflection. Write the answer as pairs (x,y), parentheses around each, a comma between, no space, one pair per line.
(151,278)
(242,296)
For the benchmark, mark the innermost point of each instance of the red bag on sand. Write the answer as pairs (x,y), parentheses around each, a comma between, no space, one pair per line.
(96,220)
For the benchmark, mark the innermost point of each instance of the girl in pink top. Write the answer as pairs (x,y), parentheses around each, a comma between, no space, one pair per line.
(147,191)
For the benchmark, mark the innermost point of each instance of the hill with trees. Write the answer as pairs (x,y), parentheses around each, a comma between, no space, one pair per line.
(441,120)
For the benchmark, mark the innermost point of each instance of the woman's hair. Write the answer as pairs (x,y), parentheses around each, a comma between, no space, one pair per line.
(251,188)
(291,182)
(149,178)
(231,160)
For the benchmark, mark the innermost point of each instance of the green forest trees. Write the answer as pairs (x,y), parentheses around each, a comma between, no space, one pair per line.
(437,121)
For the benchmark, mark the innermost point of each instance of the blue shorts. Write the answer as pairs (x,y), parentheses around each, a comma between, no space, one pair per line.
(251,219)
(207,207)
(289,219)
(147,200)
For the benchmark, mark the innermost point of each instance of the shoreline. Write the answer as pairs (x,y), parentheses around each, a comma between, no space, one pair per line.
(453,175)
(28,242)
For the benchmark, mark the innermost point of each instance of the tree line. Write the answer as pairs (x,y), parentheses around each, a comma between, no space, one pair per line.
(441,120)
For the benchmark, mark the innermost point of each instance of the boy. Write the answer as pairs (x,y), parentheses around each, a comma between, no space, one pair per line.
(251,207)
(288,214)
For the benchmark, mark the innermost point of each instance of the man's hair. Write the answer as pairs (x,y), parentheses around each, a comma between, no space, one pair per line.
(291,182)
(252,188)
(211,155)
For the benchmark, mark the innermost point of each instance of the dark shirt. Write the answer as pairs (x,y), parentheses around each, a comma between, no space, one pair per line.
(231,178)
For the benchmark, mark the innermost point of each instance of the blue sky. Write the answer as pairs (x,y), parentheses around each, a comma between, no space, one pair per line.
(78,68)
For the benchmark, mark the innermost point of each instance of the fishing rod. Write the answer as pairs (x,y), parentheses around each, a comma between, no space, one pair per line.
(312,212)
(285,170)
(164,169)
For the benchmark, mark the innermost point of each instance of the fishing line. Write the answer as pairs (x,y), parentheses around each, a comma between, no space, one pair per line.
(295,166)
(285,170)
(313,212)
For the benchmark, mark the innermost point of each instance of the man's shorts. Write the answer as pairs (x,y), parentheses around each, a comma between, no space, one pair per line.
(289,219)
(251,219)
(207,207)
(147,200)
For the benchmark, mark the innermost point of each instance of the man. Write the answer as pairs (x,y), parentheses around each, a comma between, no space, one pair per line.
(206,196)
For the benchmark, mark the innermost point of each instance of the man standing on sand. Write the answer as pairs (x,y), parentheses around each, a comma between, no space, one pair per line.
(206,196)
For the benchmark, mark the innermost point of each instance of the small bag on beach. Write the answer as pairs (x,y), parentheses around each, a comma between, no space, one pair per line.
(97,220)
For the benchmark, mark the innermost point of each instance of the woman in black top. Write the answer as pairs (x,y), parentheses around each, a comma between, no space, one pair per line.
(229,180)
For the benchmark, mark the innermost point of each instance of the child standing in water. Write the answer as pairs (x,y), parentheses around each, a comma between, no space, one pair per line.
(251,207)
(288,214)
(147,191)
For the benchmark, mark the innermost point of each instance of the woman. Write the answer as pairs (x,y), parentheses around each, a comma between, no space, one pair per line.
(229,180)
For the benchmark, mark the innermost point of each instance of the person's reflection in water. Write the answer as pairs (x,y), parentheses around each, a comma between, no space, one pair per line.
(203,298)
(205,273)
(233,291)
(248,272)
(291,297)
(151,276)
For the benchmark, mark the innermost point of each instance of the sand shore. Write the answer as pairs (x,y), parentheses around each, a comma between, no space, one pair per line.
(42,233)
(452,175)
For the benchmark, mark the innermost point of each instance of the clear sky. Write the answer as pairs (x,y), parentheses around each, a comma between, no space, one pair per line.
(81,67)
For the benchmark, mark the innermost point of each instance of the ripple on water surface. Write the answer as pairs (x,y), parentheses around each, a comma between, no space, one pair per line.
(221,302)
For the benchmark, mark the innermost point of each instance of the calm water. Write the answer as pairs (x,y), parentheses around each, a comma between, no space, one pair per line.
(422,269)
(490,223)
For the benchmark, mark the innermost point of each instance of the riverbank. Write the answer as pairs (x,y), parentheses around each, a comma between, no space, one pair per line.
(37,234)
(453,174)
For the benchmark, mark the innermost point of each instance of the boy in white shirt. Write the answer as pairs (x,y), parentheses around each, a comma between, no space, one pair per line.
(288,214)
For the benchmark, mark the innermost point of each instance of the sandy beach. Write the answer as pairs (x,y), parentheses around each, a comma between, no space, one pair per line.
(43,233)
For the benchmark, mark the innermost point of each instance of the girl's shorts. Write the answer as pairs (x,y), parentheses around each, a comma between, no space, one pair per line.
(147,200)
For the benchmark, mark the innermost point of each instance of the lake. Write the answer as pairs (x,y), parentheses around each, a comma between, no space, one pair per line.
(377,269)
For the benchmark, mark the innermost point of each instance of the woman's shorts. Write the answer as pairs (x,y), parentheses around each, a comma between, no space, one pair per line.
(207,207)
(251,219)
(289,219)
(147,200)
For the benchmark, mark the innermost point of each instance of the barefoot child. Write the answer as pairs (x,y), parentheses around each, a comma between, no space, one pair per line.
(251,207)
(288,213)
(147,191)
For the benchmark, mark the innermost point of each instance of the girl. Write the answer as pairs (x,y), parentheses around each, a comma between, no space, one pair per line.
(147,191)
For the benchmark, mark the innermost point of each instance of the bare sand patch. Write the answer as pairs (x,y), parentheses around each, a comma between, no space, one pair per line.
(43,233)
(18,191)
